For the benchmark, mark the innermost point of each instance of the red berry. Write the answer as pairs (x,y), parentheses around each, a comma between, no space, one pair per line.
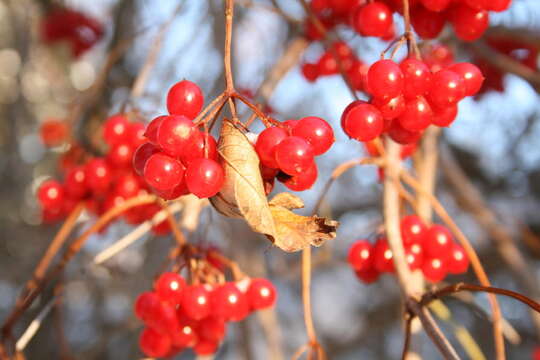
(427,24)
(163,318)
(301,182)
(185,98)
(294,155)
(437,241)
(444,116)
(310,72)
(205,347)
(458,262)
(212,328)
(471,75)
(498,5)
(290,124)
(368,276)
(154,344)
(174,134)
(447,88)
(416,78)
(373,19)
(98,175)
(266,144)
(196,302)
(469,24)
(357,75)
(229,303)
(163,172)
(434,269)
(261,294)
(327,64)
(141,155)
(186,336)
(127,186)
(146,305)
(151,132)
(403,136)
(204,177)
(436,5)
(413,260)
(417,115)
(75,182)
(170,287)
(196,148)
(120,155)
(382,256)
(362,121)
(115,129)
(315,131)
(174,193)
(360,255)
(390,108)
(136,132)
(412,229)
(385,79)
(50,194)
(53,132)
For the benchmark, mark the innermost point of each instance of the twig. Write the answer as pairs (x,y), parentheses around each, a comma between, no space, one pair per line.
(34,326)
(144,73)
(426,171)
(136,234)
(473,257)
(229,13)
(407,340)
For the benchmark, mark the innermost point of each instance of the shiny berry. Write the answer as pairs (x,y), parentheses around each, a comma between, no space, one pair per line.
(436,5)
(75,182)
(115,129)
(412,229)
(373,19)
(229,303)
(151,132)
(362,121)
(315,131)
(120,155)
(302,181)
(266,144)
(170,287)
(174,134)
(437,241)
(196,302)
(141,155)
(434,269)
(414,260)
(390,108)
(201,145)
(385,79)
(447,88)
(212,328)
(185,98)
(135,135)
(417,115)
(98,175)
(127,185)
(163,172)
(416,78)
(471,75)
(147,305)
(186,336)
(154,344)
(360,255)
(427,24)
(458,262)
(294,155)
(261,294)
(469,24)
(382,256)
(204,177)
(310,72)
(50,194)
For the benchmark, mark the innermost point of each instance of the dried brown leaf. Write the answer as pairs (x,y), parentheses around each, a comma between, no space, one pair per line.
(243,196)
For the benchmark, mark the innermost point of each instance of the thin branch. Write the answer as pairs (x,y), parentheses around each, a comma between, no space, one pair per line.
(229,13)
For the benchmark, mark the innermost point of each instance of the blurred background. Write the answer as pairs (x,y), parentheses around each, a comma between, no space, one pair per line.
(494,141)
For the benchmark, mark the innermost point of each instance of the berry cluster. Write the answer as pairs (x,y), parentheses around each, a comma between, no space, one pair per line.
(469,18)
(102,182)
(79,30)
(180,316)
(178,158)
(339,58)
(407,98)
(430,249)
(288,152)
